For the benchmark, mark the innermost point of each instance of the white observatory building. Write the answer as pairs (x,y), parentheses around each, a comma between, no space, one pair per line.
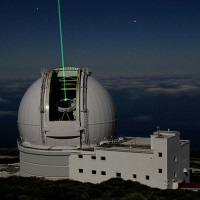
(66,122)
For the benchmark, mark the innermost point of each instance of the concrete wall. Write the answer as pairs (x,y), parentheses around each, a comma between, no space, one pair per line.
(160,163)
(185,162)
(43,163)
(134,166)
(173,159)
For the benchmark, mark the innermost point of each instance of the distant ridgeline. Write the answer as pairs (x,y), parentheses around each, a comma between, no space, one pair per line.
(9,155)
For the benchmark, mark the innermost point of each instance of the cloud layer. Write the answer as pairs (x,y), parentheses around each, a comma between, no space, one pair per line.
(13,86)
(153,85)
(7,113)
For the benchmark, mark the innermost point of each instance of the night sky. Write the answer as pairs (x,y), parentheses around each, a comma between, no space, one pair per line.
(110,36)
(146,53)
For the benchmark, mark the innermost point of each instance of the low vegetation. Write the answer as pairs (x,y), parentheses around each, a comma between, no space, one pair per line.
(114,189)
(9,152)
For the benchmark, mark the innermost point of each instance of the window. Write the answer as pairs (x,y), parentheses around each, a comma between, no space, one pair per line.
(118,175)
(160,171)
(80,156)
(103,158)
(159,154)
(175,158)
(80,170)
(103,173)
(94,172)
(147,177)
(175,174)
(93,157)
(134,176)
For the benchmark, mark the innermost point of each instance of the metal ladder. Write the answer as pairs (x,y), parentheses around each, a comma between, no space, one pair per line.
(85,110)
(42,107)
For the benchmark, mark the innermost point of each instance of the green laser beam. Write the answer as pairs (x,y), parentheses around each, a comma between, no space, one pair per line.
(62,51)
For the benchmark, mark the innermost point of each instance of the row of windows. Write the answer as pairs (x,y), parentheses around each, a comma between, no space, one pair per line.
(104,158)
(146,177)
(159,171)
(92,157)
(118,174)
(93,172)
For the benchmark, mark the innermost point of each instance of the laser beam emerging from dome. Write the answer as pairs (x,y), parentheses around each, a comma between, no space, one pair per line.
(62,51)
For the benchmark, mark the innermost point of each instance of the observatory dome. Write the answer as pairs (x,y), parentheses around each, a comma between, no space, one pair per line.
(65,108)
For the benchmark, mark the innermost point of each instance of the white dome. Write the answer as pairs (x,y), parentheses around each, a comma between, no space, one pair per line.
(29,114)
(46,118)
(101,111)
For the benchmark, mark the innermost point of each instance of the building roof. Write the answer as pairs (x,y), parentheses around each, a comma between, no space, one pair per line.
(192,185)
(127,149)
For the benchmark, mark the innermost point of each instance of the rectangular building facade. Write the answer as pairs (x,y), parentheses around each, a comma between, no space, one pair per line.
(163,163)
